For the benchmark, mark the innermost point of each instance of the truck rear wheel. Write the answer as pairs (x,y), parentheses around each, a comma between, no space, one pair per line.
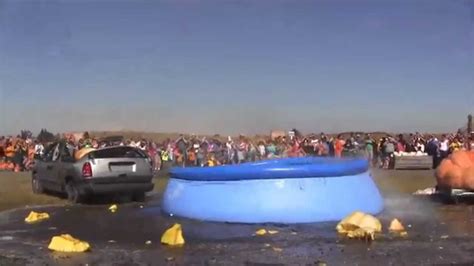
(73,194)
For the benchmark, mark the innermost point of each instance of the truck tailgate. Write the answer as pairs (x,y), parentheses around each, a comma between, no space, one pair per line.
(120,164)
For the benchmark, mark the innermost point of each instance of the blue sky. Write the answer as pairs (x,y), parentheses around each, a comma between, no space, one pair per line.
(236,66)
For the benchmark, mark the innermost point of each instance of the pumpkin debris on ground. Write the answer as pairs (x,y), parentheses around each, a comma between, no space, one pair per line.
(173,236)
(404,233)
(35,217)
(396,226)
(277,249)
(67,243)
(113,208)
(261,232)
(360,226)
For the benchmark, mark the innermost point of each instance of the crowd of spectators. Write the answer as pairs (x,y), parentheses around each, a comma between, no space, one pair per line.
(18,154)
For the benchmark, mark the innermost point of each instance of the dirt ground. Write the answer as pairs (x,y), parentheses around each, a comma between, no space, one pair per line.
(15,191)
(438,234)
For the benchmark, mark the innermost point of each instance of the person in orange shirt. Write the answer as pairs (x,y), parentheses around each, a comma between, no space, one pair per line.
(338,146)
(9,151)
(30,158)
(191,157)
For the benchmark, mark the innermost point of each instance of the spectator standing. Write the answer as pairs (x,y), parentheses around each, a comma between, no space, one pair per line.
(469,144)
(369,149)
(261,150)
(9,151)
(401,144)
(432,149)
(338,146)
(230,150)
(252,155)
(419,146)
(455,145)
(389,149)
(443,147)
(323,147)
(201,156)
(241,151)
(39,149)
(182,145)
(270,149)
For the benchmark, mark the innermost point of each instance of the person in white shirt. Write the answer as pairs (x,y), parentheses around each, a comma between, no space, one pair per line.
(39,149)
(420,147)
(443,147)
(261,150)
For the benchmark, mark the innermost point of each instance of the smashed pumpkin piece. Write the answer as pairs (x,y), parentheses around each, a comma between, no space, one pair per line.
(360,226)
(113,208)
(262,232)
(396,226)
(173,236)
(277,249)
(67,243)
(35,217)
(82,152)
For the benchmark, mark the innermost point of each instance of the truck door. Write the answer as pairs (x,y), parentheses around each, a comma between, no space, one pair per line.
(65,165)
(50,168)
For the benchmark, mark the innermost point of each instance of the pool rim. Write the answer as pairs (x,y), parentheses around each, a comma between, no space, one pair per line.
(288,168)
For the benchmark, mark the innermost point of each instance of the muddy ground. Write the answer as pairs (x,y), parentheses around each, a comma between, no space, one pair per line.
(438,234)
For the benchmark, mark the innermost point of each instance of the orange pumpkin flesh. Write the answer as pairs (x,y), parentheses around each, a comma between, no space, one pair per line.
(468,175)
(461,159)
(457,171)
(470,154)
(455,177)
(443,167)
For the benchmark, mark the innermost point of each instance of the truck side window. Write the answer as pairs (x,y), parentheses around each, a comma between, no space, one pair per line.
(49,153)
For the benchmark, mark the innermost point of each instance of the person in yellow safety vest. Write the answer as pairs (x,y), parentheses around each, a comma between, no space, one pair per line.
(455,145)
(164,156)
(212,161)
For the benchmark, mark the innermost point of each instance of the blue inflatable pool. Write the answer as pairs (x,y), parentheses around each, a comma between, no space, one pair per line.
(295,190)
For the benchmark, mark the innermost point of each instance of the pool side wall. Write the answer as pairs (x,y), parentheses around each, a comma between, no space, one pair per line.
(293,200)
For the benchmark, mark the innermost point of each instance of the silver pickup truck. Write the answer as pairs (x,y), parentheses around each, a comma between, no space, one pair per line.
(111,170)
